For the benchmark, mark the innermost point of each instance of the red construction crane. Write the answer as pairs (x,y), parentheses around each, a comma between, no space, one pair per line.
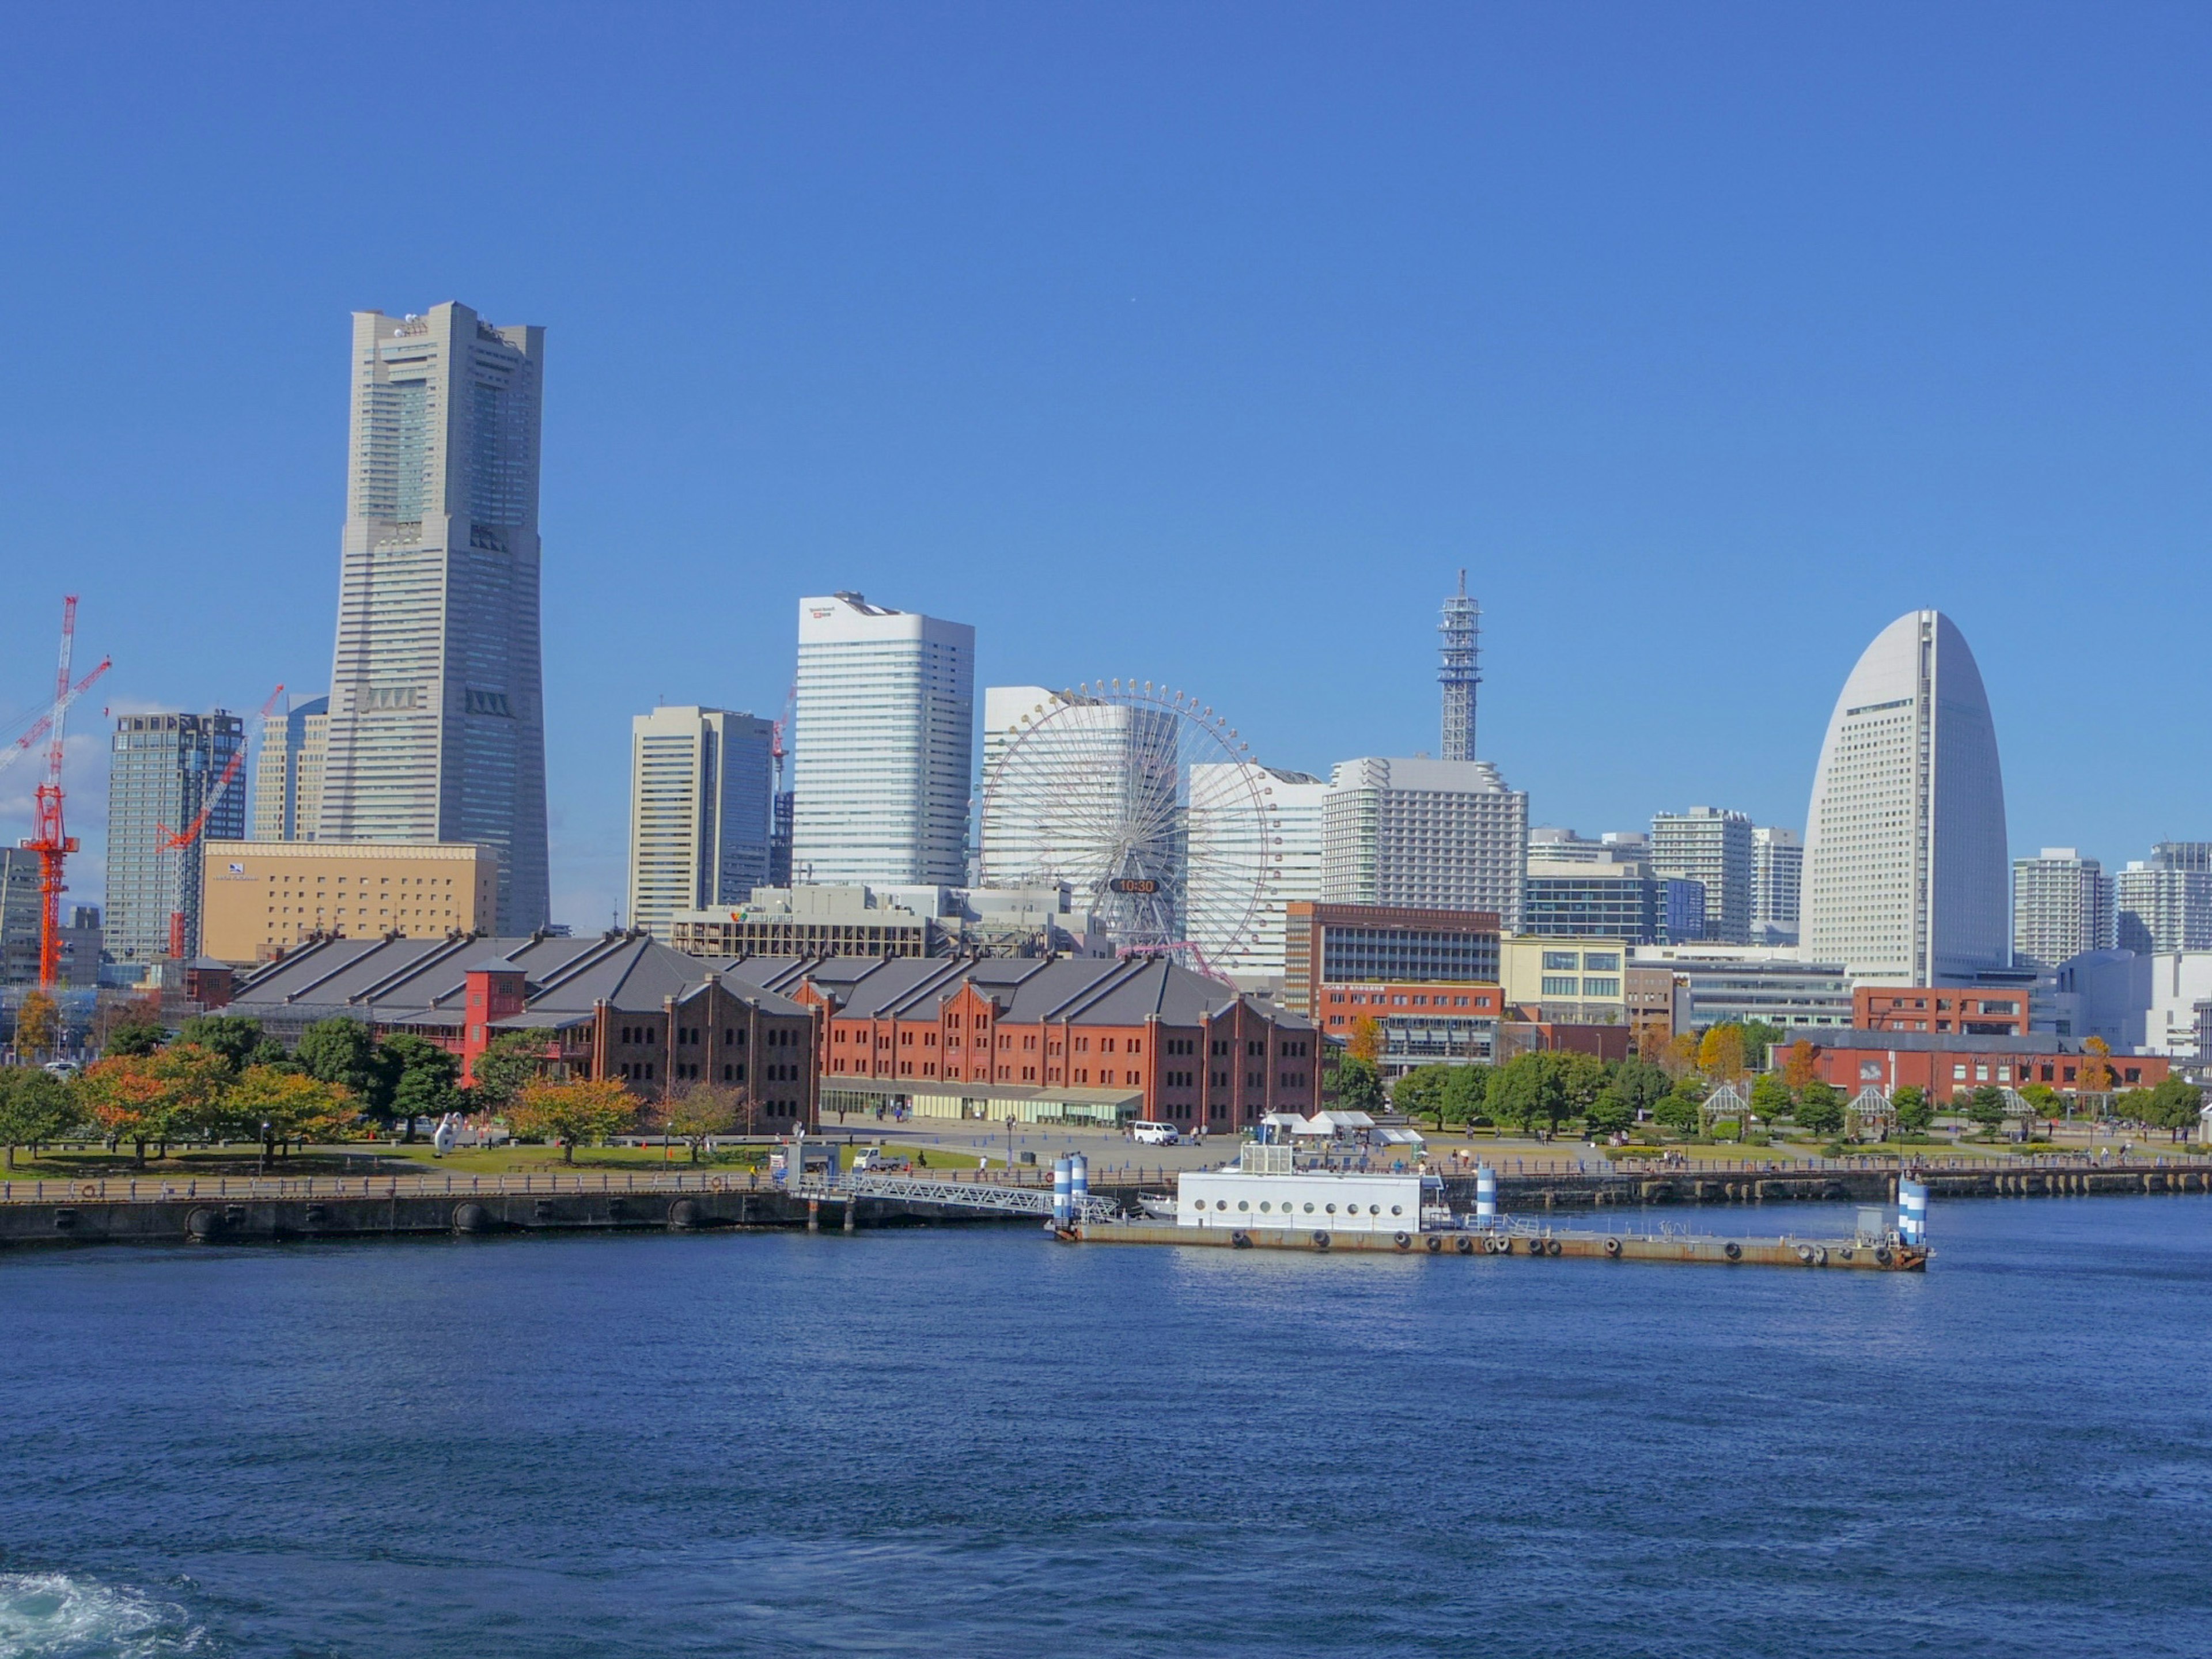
(180,842)
(53,843)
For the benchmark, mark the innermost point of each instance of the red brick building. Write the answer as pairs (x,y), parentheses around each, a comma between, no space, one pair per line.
(1951,1064)
(1971,1011)
(1382,946)
(1048,1040)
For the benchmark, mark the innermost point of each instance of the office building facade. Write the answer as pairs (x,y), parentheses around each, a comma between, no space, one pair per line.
(1343,944)
(1425,834)
(1906,868)
(2061,905)
(162,771)
(437,716)
(1777,881)
(700,801)
(288,773)
(883,744)
(1713,848)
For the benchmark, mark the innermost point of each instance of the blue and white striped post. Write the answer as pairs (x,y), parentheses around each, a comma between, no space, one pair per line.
(1911,1212)
(1063,1180)
(1078,1185)
(1485,1194)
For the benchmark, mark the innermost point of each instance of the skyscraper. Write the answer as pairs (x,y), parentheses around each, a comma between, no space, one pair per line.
(2061,905)
(437,727)
(1219,883)
(1906,862)
(2164,902)
(1777,883)
(883,745)
(1712,845)
(1461,671)
(161,772)
(1425,834)
(699,811)
(288,774)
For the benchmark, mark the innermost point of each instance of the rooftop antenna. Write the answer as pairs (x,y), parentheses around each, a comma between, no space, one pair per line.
(1461,671)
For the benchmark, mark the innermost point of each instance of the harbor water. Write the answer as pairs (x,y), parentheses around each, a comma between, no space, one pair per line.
(978,1442)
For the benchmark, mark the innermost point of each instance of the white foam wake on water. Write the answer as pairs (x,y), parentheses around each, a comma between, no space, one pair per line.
(53,1615)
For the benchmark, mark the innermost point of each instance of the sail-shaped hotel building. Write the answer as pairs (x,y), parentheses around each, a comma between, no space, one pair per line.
(1906,867)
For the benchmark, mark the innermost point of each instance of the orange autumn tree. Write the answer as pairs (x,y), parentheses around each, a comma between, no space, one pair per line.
(1366,1041)
(2096,1073)
(1800,1069)
(174,1091)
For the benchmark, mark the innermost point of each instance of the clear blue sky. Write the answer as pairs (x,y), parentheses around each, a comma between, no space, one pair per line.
(1200,343)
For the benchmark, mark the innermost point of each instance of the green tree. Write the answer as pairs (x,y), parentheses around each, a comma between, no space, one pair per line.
(1820,1107)
(589,1109)
(232,1037)
(2174,1105)
(1581,1076)
(1914,1113)
(1356,1086)
(1641,1084)
(2043,1097)
(1679,1109)
(35,1106)
(1466,1093)
(1422,1091)
(345,1052)
(1528,1092)
(1609,1114)
(134,1037)
(426,1080)
(509,1062)
(1770,1098)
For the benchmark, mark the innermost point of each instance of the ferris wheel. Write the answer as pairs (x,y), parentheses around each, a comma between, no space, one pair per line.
(1147,804)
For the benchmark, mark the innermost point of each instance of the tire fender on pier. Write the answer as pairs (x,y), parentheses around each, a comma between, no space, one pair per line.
(1732,1250)
(1403,1241)
(1613,1249)
(1320,1239)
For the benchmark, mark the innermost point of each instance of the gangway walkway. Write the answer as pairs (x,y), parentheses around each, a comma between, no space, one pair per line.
(964,1194)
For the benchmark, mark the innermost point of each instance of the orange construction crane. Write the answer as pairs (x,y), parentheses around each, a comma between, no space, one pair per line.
(180,842)
(52,841)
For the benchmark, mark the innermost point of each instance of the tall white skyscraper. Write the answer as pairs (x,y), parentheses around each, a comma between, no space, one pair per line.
(1424,834)
(699,805)
(883,745)
(1778,882)
(437,727)
(2061,905)
(1218,888)
(1905,865)
(287,773)
(1091,767)
(1713,847)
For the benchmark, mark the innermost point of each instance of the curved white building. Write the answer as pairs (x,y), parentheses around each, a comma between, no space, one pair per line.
(1905,858)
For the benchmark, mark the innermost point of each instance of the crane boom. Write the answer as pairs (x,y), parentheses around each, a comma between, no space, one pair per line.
(51,839)
(23,745)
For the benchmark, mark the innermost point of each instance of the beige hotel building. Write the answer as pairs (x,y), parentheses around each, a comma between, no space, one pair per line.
(261,898)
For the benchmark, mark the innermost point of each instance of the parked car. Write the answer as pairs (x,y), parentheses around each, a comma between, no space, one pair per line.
(1149,1133)
(874,1160)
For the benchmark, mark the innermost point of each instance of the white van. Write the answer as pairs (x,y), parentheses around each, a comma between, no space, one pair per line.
(1148,1133)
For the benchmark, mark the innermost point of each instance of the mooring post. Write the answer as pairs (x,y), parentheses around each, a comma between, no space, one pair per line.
(851,1204)
(813,1215)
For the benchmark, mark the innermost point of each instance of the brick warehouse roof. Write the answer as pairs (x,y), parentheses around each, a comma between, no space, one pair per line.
(1081,990)
(421,981)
